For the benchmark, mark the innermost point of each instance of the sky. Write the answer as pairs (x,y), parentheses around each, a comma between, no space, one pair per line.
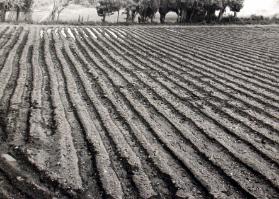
(260,7)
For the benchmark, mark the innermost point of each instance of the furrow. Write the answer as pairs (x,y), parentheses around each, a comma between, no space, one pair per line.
(242,89)
(231,87)
(216,67)
(133,163)
(248,57)
(26,116)
(8,76)
(46,106)
(4,36)
(211,66)
(237,40)
(37,126)
(6,39)
(3,31)
(188,112)
(227,57)
(7,190)
(22,180)
(121,168)
(179,81)
(192,85)
(183,146)
(139,112)
(58,160)
(19,103)
(137,128)
(153,128)
(108,177)
(87,168)
(8,45)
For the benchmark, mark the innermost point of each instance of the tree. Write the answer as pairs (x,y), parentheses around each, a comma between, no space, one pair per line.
(15,5)
(5,5)
(22,6)
(107,7)
(235,6)
(58,7)
(130,7)
(221,5)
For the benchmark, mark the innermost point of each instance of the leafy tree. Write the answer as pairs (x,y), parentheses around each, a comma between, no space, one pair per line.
(235,5)
(22,6)
(131,7)
(5,5)
(108,7)
(15,5)
(221,5)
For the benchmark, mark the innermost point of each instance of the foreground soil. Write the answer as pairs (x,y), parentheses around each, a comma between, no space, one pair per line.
(139,112)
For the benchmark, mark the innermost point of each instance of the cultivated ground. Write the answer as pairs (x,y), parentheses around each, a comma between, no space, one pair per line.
(139,112)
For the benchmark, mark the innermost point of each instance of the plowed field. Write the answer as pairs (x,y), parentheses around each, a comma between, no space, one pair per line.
(139,112)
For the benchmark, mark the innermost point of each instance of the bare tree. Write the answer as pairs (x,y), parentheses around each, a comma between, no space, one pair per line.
(58,7)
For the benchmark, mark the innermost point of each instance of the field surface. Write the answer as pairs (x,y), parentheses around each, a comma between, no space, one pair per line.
(139,112)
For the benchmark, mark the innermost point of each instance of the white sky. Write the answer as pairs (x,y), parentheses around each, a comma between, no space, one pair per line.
(260,7)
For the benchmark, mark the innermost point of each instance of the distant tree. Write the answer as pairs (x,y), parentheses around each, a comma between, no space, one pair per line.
(235,6)
(108,7)
(5,5)
(15,5)
(58,7)
(131,9)
(22,6)
(221,5)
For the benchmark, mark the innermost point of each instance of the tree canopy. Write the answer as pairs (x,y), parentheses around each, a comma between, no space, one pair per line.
(23,4)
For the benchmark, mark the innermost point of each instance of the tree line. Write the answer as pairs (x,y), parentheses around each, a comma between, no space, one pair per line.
(18,6)
(187,10)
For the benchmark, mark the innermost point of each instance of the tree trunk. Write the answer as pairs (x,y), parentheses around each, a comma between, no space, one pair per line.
(4,16)
(162,18)
(127,15)
(1,15)
(222,11)
(151,19)
(59,11)
(192,15)
(183,18)
(17,13)
(52,15)
(117,16)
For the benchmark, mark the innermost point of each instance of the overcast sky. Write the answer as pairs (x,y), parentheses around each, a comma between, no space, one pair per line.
(261,7)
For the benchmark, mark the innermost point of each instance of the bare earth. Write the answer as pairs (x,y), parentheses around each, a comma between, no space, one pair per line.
(139,112)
